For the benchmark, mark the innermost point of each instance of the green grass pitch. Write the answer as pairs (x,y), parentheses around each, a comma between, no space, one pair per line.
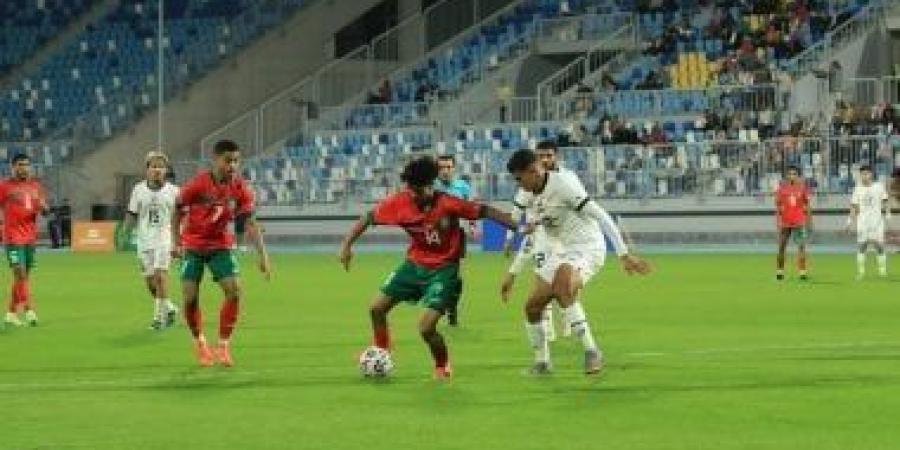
(708,353)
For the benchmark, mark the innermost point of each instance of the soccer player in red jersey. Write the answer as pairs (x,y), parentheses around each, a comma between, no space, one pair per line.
(208,203)
(794,218)
(22,199)
(431,269)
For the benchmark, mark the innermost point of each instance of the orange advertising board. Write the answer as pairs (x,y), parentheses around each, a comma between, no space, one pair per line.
(94,236)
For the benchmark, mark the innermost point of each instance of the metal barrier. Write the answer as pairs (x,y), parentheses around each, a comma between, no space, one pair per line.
(872,91)
(353,77)
(701,170)
(867,19)
(589,27)
(608,56)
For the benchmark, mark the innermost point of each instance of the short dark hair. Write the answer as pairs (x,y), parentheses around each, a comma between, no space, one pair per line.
(450,158)
(520,160)
(794,168)
(547,145)
(420,172)
(865,168)
(225,146)
(19,157)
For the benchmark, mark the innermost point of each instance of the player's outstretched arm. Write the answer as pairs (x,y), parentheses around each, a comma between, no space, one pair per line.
(489,212)
(511,234)
(255,233)
(176,231)
(851,219)
(345,254)
(631,263)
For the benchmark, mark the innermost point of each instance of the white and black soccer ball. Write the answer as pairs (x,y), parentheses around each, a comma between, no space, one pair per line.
(375,362)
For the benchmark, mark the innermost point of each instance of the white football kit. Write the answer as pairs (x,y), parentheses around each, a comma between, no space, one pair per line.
(870,222)
(569,227)
(154,210)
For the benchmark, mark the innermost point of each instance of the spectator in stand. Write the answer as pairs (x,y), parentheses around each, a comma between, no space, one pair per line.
(504,94)
(656,136)
(385,93)
(607,83)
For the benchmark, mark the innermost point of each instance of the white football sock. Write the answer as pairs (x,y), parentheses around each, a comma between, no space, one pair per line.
(538,338)
(564,323)
(159,309)
(547,320)
(577,319)
(170,306)
(882,263)
(860,263)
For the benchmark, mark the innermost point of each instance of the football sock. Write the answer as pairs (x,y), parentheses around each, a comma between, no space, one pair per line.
(158,309)
(382,336)
(882,262)
(538,338)
(194,318)
(578,321)
(440,354)
(801,263)
(860,263)
(228,315)
(14,297)
(20,295)
(169,305)
(547,320)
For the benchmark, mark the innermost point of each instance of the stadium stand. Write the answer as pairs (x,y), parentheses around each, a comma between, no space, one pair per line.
(28,24)
(107,77)
(699,112)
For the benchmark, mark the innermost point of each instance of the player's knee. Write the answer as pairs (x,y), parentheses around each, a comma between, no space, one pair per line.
(534,311)
(378,310)
(428,332)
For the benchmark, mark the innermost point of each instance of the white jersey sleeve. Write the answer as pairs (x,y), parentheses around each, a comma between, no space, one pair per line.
(522,256)
(134,203)
(855,196)
(608,225)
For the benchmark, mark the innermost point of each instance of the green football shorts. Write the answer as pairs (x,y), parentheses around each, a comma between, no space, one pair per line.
(222,264)
(434,288)
(20,255)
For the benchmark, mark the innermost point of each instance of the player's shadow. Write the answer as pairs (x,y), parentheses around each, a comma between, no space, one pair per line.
(135,339)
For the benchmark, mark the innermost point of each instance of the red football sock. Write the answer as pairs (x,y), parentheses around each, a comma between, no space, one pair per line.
(227,318)
(25,294)
(19,295)
(14,297)
(441,356)
(194,318)
(382,336)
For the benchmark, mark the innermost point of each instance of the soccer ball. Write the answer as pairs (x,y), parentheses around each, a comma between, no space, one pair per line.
(375,362)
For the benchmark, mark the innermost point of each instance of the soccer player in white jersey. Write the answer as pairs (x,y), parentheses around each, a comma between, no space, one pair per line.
(574,226)
(869,212)
(532,246)
(151,207)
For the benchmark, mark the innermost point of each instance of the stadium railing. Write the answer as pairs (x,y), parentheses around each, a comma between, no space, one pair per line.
(868,18)
(294,109)
(604,57)
(696,170)
(587,27)
(872,90)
